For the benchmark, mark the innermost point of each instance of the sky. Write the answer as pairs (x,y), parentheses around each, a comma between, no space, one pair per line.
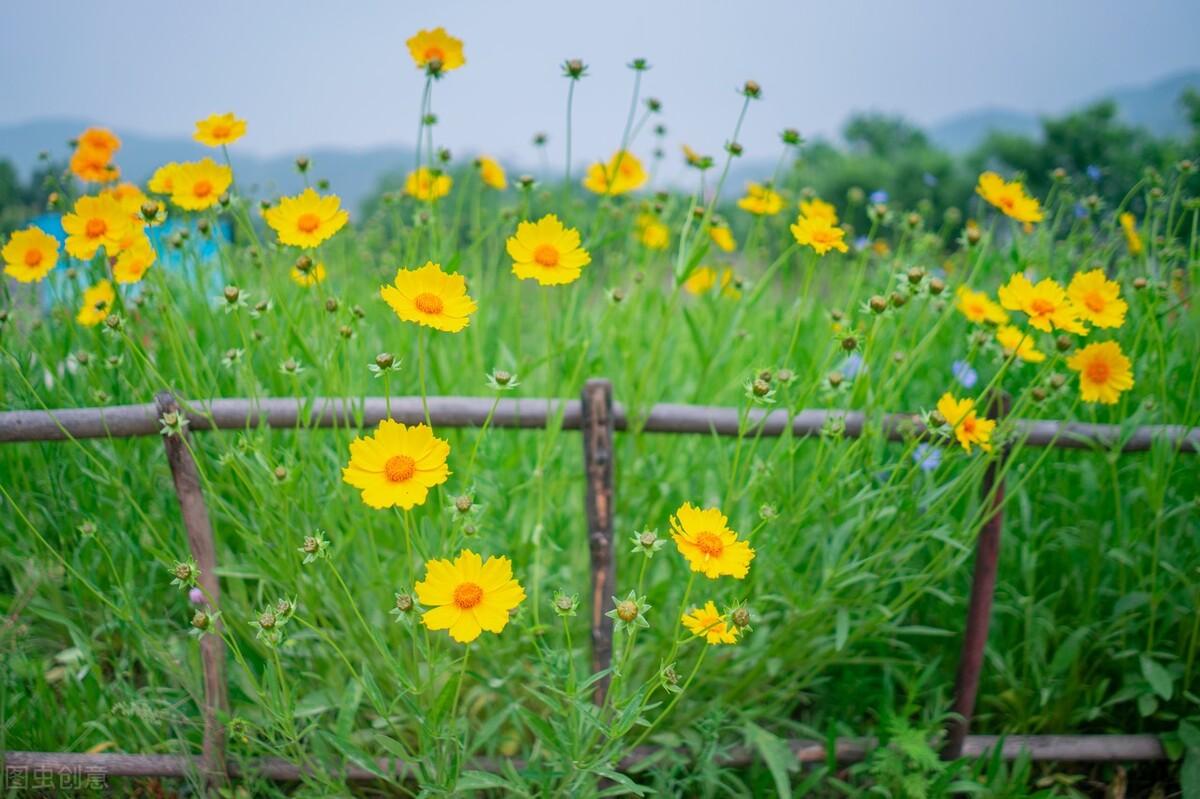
(307,74)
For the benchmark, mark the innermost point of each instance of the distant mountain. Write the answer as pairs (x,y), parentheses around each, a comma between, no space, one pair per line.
(1154,107)
(353,174)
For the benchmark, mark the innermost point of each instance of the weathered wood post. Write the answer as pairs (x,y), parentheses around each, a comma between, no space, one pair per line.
(203,549)
(983,590)
(596,422)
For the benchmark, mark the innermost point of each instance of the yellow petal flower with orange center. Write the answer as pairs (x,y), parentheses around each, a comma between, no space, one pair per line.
(397,465)
(491,173)
(97,302)
(96,222)
(622,174)
(1009,197)
(468,595)
(427,185)
(820,234)
(1015,341)
(217,130)
(1097,299)
(968,427)
(436,51)
(819,209)
(198,185)
(93,165)
(134,260)
(547,251)
(430,297)
(1104,372)
(761,200)
(710,547)
(1046,304)
(978,307)
(29,255)
(307,219)
(710,625)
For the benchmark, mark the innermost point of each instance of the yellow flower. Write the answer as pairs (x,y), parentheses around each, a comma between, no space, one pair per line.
(978,307)
(198,185)
(548,252)
(1014,340)
(623,173)
(93,164)
(1009,197)
(101,139)
(652,233)
(314,275)
(707,623)
(96,222)
(491,173)
(710,547)
(427,185)
(695,159)
(397,465)
(436,51)
(219,129)
(761,200)
(1046,304)
(722,236)
(163,179)
(134,260)
(968,428)
(430,297)
(818,209)
(1097,299)
(1133,239)
(131,199)
(97,301)
(700,280)
(307,219)
(468,595)
(1104,372)
(820,234)
(29,255)
(729,285)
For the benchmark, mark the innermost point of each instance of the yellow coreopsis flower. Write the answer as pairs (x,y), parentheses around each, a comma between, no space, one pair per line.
(219,129)
(1104,372)
(93,165)
(700,280)
(710,625)
(134,260)
(97,301)
(623,173)
(29,255)
(547,251)
(468,595)
(1046,304)
(1097,299)
(308,277)
(1009,197)
(1015,341)
(163,179)
(427,184)
(820,234)
(397,465)
(710,547)
(198,185)
(96,222)
(491,173)
(652,233)
(819,209)
(1133,239)
(101,139)
(436,51)
(430,297)
(307,219)
(722,236)
(978,307)
(761,200)
(968,427)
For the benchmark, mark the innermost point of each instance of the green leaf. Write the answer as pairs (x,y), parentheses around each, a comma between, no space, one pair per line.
(1068,652)
(776,754)
(1158,677)
(482,781)
(843,629)
(1189,774)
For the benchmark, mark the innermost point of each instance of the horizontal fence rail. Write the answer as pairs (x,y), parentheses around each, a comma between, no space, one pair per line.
(123,421)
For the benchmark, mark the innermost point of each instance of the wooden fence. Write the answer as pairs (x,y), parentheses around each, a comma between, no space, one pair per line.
(598,417)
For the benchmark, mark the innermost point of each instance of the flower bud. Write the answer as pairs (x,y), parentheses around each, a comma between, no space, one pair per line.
(734,148)
(201,620)
(501,377)
(878,304)
(281,473)
(574,68)
(850,343)
(331,305)
(1057,381)
(1063,343)
(741,617)
(267,620)
(404,603)
(897,299)
(232,294)
(1038,393)
(835,379)
(751,89)
(384,360)
(1139,283)
(916,275)
(463,503)
(760,388)
(791,137)
(937,286)
(627,610)
(302,164)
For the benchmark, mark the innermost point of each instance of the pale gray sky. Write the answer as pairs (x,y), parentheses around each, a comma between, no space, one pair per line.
(320,72)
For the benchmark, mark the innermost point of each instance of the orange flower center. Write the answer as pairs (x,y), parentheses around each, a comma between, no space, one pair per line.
(96,228)
(546,255)
(435,54)
(1098,371)
(822,236)
(467,595)
(33,257)
(308,222)
(202,188)
(429,303)
(710,544)
(1008,202)
(220,131)
(399,468)
(976,310)
(968,425)
(1042,307)
(1094,302)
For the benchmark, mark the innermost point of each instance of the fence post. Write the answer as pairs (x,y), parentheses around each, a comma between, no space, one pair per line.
(596,410)
(203,549)
(983,590)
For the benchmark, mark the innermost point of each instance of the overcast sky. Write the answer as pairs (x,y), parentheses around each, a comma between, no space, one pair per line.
(308,72)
